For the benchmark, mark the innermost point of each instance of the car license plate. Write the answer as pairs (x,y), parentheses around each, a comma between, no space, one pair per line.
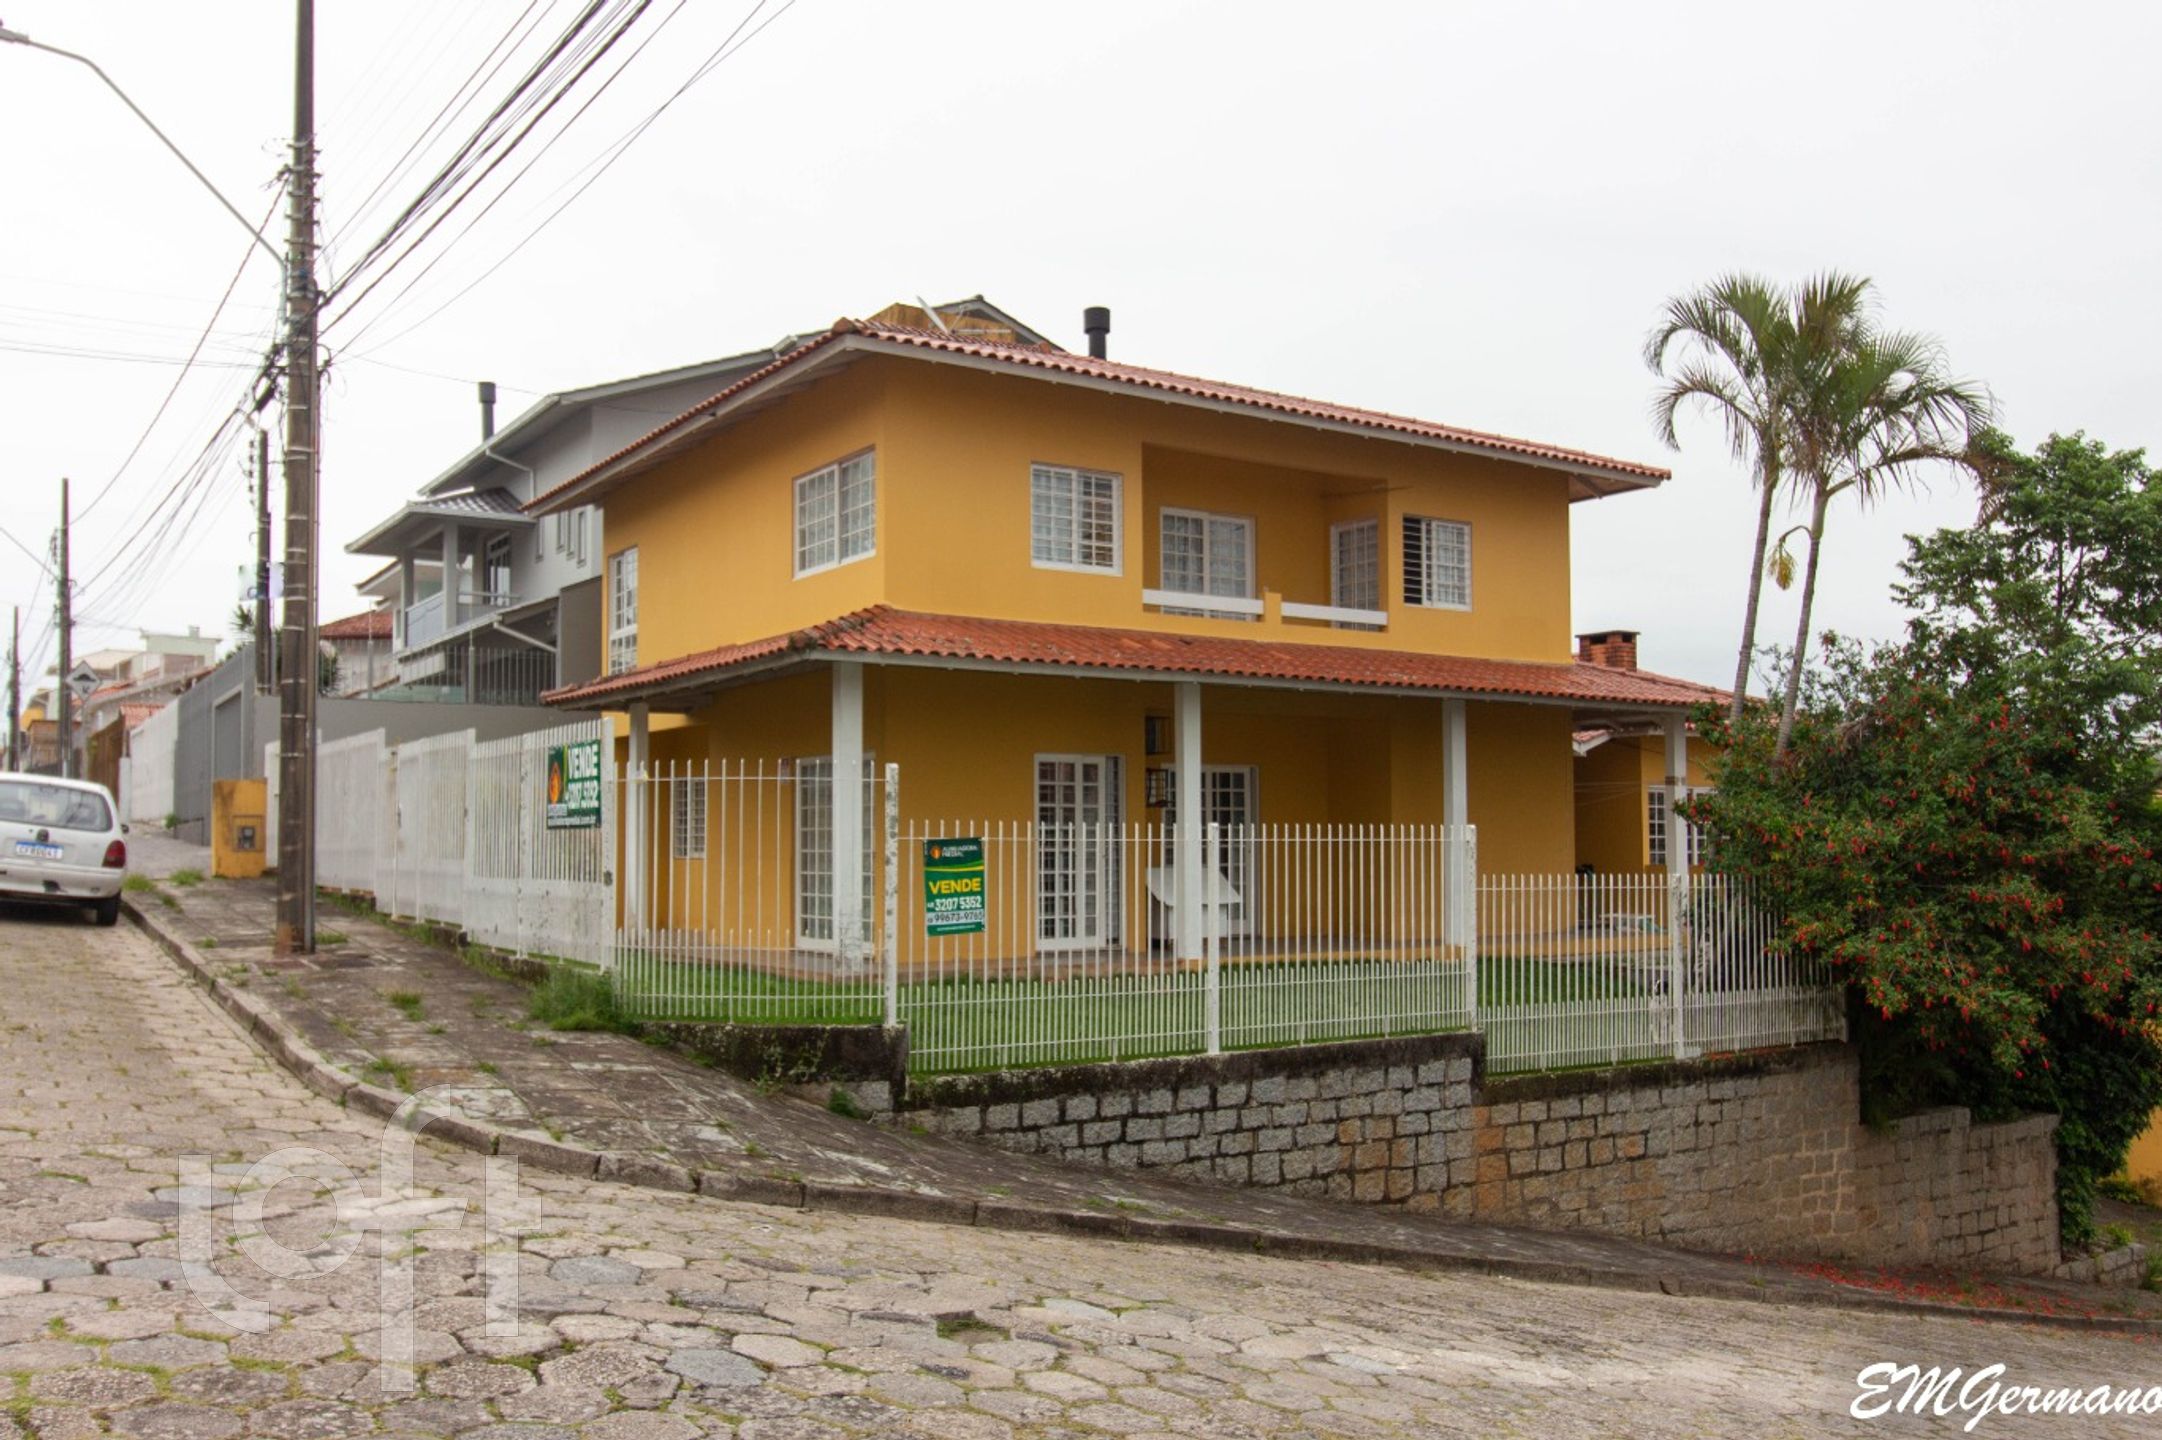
(38,852)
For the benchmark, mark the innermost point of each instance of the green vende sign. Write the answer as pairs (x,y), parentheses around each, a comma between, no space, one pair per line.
(574,786)
(953,886)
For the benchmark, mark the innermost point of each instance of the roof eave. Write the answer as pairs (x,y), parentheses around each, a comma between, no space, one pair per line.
(688,691)
(1593,482)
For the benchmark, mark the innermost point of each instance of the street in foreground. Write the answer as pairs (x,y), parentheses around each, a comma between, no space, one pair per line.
(140,1136)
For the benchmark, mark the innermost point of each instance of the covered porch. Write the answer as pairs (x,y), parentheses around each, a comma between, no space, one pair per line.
(1344,817)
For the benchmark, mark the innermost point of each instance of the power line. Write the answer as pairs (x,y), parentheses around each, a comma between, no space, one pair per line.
(483,138)
(510,184)
(590,56)
(605,159)
(484,72)
(189,364)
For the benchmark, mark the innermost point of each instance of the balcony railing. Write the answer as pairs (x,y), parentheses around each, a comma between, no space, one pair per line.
(426,620)
(1268,609)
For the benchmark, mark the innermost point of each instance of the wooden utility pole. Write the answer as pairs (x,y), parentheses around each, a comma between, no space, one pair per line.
(295,933)
(266,650)
(63,696)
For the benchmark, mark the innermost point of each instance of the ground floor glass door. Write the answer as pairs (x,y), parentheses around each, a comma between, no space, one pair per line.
(1230,800)
(1077,847)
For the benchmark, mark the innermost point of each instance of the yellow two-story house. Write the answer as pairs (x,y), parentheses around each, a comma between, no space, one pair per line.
(1059,589)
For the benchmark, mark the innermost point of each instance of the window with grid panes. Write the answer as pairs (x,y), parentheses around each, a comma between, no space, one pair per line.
(622,610)
(1203,554)
(1355,568)
(688,819)
(836,514)
(814,849)
(1437,563)
(1660,820)
(1073,518)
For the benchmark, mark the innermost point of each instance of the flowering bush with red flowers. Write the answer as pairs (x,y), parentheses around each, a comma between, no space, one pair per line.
(1964,824)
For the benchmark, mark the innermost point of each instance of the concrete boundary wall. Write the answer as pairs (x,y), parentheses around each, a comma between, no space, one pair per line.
(1762,1153)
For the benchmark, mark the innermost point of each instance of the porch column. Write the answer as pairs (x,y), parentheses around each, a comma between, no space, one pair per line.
(406,597)
(1458,880)
(635,847)
(1192,824)
(848,810)
(451,586)
(1677,732)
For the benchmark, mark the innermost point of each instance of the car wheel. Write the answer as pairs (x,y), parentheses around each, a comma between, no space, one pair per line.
(107,910)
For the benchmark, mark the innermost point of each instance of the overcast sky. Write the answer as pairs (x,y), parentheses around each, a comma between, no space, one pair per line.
(1468,213)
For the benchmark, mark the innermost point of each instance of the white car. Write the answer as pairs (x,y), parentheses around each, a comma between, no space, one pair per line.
(60,844)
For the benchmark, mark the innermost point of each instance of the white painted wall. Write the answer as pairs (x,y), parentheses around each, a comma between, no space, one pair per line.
(148,784)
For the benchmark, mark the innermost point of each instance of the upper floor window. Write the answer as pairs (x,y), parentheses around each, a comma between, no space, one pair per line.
(1355,567)
(495,571)
(1205,554)
(1437,563)
(836,514)
(622,610)
(1073,519)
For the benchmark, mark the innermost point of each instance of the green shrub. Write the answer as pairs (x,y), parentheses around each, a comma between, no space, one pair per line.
(579,1000)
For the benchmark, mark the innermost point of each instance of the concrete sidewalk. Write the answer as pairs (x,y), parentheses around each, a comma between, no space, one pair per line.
(398,1014)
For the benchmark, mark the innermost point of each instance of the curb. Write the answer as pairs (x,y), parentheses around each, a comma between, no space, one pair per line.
(293,1053)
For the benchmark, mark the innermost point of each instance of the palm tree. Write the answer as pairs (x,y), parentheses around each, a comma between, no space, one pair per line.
(1747,348)
(1869,421)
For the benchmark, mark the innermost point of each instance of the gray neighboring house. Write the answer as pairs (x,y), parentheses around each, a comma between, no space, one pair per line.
(491,605)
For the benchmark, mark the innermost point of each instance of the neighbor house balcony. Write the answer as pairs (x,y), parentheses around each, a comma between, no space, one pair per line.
(443,614)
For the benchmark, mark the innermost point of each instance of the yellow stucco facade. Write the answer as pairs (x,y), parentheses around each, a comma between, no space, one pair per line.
(1614,781)
(952,450)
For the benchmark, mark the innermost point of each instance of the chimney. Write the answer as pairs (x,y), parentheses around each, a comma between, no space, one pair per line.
(1097,321)
(487,411)
(1615,649)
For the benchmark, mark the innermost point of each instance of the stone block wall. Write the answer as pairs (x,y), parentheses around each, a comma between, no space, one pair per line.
(1761,1153)
(1372,1121)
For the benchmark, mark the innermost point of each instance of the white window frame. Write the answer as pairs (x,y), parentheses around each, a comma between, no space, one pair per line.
(1425,599)
(1659,819)
(1253,579)
(1237,857)
(622,636)
(1109,911)
(814,819)
(832,480)
(687,819)
(505,547)
(1075,478)
(1338,595)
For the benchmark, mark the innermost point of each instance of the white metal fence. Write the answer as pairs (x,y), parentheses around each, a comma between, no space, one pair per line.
(455,831)
(1304,933)
(733,894)
(736,913)
(1600,969)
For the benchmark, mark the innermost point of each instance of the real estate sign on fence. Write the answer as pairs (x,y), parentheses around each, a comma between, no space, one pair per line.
(574,785)
(953,893)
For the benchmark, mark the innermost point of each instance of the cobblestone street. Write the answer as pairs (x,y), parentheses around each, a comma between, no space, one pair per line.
(155,1283)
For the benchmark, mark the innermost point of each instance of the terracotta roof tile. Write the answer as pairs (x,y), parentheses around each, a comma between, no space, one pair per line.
(883,631)
(1038,357)
(368,625)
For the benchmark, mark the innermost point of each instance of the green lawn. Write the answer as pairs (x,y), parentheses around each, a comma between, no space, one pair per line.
(960,1024)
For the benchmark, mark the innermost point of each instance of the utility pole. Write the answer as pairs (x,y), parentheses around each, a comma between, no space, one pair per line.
(63,696)
(295,933)
(15,690)
(266,668)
